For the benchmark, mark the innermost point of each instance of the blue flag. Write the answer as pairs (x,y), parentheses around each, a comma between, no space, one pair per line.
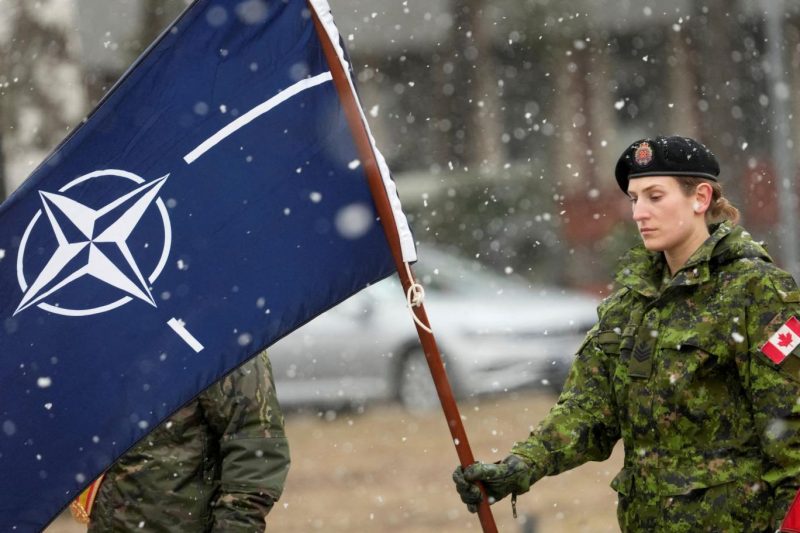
(216,199)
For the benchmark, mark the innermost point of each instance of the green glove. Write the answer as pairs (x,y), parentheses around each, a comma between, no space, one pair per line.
(511,476)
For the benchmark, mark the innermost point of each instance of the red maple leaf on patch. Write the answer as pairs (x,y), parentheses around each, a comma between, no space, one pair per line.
(784,339)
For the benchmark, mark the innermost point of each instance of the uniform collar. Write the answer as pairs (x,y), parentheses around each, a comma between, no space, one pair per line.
(643,270)
(696,269)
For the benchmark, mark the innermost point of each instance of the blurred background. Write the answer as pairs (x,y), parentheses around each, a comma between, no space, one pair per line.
(502,121)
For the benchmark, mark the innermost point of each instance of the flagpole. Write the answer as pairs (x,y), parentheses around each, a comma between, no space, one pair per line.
(372,171)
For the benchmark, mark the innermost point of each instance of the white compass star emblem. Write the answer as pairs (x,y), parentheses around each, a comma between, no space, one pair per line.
(93,243)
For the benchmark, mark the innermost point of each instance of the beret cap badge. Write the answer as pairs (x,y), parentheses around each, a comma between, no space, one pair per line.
(643,154)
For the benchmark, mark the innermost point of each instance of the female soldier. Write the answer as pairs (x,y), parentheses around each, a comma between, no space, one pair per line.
(692,364)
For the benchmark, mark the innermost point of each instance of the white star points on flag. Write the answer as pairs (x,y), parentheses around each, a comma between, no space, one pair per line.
(114,228)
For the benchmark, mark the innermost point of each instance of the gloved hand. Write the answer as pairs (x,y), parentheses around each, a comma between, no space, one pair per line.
(511,476)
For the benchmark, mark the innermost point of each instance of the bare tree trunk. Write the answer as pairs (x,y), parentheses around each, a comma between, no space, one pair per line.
(713,34)
(481,101)
(682,85)
(154,19)
(793,45)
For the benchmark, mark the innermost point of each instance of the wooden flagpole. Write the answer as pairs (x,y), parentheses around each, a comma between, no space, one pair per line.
(372,171)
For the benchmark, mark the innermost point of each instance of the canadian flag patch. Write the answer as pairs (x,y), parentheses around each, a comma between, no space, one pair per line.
(783,341)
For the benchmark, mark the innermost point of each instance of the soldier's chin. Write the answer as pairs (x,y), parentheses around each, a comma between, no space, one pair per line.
(652,245)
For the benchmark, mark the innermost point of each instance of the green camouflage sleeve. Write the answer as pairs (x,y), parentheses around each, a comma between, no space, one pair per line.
(583,425)
(774,389)
(243,408)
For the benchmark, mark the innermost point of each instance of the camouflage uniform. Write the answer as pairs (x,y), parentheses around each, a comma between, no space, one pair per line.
(218,464)
(711,426)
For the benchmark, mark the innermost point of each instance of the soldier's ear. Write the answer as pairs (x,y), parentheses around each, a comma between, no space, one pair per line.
(702,197)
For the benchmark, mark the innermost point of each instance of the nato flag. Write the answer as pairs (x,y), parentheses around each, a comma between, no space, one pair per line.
(213,202)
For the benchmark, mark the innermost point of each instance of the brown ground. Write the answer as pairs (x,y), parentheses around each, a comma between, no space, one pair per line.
(388,470)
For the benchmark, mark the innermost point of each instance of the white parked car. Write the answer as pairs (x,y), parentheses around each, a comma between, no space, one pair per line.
(495,333)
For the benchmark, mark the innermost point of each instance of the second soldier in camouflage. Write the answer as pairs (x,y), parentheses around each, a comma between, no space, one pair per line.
(216,465)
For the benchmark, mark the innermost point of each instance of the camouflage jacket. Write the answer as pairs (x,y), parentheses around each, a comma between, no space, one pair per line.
(218,464)
(710,425)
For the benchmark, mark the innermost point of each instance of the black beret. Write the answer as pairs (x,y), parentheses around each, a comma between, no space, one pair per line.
(665,156)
